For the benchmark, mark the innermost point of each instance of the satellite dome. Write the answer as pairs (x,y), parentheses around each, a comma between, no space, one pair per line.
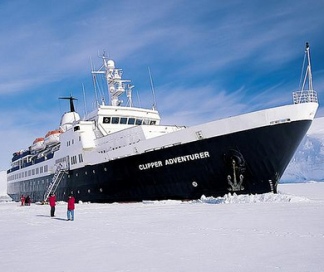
(110,64)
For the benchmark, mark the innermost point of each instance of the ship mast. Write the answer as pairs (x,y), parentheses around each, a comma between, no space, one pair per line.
(116,85)
(308,73)
(306,95)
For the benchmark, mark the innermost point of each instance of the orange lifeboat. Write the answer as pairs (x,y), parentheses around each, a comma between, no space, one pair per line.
(38,144)
(52,137)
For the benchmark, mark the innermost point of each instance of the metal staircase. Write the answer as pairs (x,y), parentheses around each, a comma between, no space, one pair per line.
(58,175)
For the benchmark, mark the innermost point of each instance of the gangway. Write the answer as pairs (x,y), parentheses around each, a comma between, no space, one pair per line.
(58,175)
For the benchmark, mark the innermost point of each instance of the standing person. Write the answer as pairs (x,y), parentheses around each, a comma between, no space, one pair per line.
(70,208)
(27,201)
(22,199)
(52,202)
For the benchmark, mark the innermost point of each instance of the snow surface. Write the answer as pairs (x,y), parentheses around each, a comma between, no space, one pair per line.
(269,232)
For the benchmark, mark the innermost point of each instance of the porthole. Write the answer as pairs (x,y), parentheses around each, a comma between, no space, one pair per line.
(194,184)
(86,173)
(94,171)
(101,190)
(105,169)
(88,190)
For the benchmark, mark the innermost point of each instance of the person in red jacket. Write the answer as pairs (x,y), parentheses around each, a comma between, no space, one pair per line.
(70,208)
(22,199)
(52,202)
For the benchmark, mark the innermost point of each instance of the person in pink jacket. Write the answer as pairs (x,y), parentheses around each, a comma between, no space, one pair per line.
(52,202)
(22,199)
(70,208)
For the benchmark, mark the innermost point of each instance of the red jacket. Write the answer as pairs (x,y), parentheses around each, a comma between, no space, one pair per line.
(70,204)
(52,200)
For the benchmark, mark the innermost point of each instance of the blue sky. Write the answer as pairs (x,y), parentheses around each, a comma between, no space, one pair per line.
(209,59)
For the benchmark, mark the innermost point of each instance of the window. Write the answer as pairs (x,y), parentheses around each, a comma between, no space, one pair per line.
(80,158)
(131,121)
(115,120)
(139,121)
(73,160)
(123,120)
(106,120)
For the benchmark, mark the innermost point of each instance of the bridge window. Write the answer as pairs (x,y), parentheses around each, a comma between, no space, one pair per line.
(115,120)
(139,121)
(106,120)
(131,121)
(123,120)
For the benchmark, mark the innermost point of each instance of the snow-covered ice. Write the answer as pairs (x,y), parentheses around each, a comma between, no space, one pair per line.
(282,232)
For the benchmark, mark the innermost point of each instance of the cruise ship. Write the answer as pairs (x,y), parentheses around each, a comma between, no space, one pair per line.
(122,153)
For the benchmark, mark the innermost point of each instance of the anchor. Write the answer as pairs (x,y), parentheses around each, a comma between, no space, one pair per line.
(236,163)
(235,186)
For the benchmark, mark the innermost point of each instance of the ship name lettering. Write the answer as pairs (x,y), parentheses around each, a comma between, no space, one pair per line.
(192,157)
(180,159)
(150,165)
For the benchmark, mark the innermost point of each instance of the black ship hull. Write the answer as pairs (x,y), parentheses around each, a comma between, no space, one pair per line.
(245,162)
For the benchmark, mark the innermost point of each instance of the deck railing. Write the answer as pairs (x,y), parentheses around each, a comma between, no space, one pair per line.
(305,96)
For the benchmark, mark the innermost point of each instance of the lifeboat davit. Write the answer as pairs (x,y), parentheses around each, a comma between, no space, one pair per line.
(38,144)
(52,137)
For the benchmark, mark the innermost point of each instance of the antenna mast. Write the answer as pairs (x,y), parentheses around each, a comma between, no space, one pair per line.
(116,85)
(152,88)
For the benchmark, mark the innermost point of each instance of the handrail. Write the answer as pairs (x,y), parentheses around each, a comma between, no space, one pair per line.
(305,96)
